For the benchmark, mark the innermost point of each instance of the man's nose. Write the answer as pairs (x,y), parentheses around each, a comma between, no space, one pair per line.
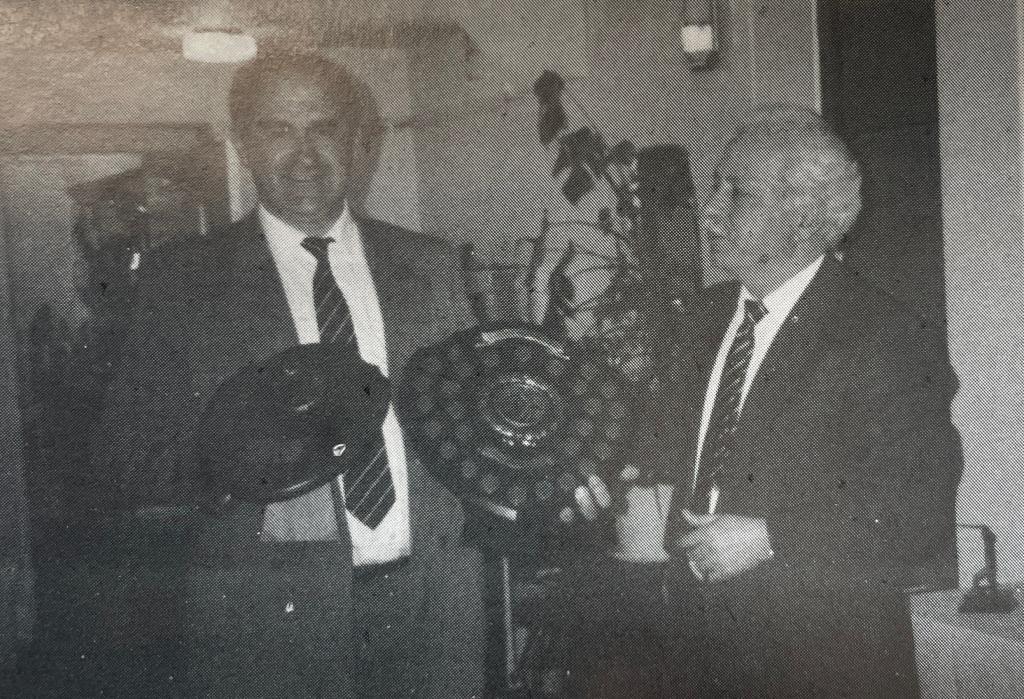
(306,149)
(713,212)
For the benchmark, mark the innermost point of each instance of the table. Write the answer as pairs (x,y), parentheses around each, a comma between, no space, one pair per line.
(967,656)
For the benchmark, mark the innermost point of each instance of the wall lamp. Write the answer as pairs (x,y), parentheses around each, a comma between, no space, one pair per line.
(700,33)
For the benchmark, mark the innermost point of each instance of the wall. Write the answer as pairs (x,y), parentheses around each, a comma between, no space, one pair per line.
(477,112)
(17,608)
(980,79)
(770,56)
(485,177)
(85,86)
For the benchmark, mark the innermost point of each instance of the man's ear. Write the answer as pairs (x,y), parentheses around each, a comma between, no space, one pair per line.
(238,144)
(365,151)
(811,221)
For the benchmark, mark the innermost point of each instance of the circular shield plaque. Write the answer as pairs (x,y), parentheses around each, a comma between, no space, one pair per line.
(513,422)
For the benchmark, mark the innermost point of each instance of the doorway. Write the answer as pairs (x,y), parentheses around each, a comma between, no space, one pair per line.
(878,82)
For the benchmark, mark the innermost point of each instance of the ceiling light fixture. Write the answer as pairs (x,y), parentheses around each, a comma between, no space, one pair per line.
(218,45)
(700,32)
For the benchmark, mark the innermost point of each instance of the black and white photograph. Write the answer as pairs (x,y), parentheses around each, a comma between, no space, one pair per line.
(383,349)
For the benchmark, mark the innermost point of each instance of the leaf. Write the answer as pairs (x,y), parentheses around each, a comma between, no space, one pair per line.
(577,184)
(550,120)
(548,87)
(585,147)
(562,162)
(598,153)
(624,154)
(624,157)
(551,117)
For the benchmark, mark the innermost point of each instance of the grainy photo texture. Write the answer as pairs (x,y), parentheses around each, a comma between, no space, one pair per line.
(457,350)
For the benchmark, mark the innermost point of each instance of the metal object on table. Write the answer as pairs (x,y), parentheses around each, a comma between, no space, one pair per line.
(986,595)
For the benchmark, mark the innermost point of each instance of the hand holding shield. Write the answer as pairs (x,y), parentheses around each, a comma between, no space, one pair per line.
(285,426)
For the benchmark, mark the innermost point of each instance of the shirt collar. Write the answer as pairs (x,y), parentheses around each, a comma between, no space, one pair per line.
(781,301)
(284,236)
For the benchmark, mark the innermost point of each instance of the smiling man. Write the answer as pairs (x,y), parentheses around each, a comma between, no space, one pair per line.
(361,587)
(298,138)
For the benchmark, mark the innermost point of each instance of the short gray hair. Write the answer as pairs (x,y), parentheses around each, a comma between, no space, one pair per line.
(817,163)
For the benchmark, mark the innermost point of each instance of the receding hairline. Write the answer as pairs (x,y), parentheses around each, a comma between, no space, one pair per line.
(254,79)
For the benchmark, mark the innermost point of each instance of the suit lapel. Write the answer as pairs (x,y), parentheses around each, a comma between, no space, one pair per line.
(698,337)
(378,249)
(796,350)
(252,311)
(400,308)
(718,310)
(401,291)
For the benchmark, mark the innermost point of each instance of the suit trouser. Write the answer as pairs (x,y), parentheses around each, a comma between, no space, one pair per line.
(655,631)
(386,631)
(624,638)
(274,625)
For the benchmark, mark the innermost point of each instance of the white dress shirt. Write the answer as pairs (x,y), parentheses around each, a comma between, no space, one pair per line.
(779,303)
(391,539)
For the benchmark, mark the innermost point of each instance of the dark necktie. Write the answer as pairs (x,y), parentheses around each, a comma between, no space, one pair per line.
(725,414)
(369,490)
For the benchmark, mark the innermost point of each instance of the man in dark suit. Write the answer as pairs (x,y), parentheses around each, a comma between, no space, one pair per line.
(806,414)
(332,593)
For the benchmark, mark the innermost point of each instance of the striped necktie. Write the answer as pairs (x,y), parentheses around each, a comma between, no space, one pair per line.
(725,415)
(369,489)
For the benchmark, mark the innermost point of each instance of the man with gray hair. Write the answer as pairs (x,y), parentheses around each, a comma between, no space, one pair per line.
(807,417)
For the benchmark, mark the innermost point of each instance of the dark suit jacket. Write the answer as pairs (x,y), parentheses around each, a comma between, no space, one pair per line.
(846,448)
(207,307)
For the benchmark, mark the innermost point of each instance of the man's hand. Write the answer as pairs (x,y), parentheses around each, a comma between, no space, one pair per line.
(594,498)
(591,499)
(721,547)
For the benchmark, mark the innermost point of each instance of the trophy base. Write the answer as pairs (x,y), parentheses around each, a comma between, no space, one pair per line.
(532,538)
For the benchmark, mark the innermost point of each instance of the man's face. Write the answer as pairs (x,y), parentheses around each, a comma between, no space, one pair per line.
(751,218)
(298,144)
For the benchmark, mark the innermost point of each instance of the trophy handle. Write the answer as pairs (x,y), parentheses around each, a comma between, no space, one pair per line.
(491,337)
